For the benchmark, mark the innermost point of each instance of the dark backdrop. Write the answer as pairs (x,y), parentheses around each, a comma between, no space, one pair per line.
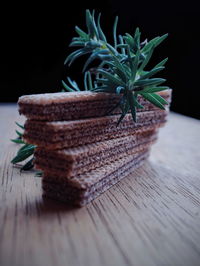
(35,38)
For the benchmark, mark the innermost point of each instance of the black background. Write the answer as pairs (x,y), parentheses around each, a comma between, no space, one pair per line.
(35,37)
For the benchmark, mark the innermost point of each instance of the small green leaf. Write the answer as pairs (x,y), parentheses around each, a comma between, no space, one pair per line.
(67,88)
(150,97)
(147,58)
(77,43)
(162,63)
(132,102)
(115,32)
(149,82)
(22,156)
(159,98)
(155,89)
(19,133)
(93,56)
(18,141)
(81,33)
(152,72)
(101,34)
(111,77)
(135,65)
(22,127)
(121,45)
(29,165)
(125,108)
(73,84)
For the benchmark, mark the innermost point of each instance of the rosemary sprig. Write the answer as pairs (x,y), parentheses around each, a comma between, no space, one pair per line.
(123,66)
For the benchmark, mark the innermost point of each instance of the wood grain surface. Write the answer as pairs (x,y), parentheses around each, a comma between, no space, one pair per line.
(150,218)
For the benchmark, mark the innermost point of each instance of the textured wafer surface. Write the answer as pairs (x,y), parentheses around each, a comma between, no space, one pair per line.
(93,184)
(78,160)
(73,105)
(65,134)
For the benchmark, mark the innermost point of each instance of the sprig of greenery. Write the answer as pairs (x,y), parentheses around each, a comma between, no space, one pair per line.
(123,66)
(26,151)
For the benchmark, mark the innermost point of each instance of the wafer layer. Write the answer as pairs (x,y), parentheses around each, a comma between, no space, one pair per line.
(85,189)
(78,160)
(72,106)
(65,134)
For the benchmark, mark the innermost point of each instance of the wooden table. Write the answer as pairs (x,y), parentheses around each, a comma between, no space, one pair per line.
(150,218)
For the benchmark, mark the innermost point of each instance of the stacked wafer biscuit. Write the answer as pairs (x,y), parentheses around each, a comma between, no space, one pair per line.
(79,148)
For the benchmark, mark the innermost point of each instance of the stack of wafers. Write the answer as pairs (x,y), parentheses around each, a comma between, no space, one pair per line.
(79,148)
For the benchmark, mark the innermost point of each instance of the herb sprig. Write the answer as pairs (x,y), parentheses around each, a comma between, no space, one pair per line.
(123,65)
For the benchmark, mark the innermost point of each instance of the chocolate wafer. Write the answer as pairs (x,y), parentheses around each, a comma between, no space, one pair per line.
(85,188)
(73,105)
(65,134)
(78,160)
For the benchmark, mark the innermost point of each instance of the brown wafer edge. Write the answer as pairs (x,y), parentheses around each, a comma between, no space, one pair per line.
(57,135)
(71,106)
(91,156)
(79,197)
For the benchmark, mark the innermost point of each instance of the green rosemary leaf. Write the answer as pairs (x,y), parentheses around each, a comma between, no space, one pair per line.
(104,89)
(81,33)
(85,81)
(77,55)
(154,42)
(26,148)
(93,56)
(160,98)
(122,46)
(90,25)
(19,133)
(136,44)
(147,58)
(73,56)
(67,88)
(115,32)
(18,141)
(73,84)
(151,98)
(27,166)
(132,101)
(152,72)
(111,49)
(155,89)
(77,43)
(125,106)
(118,67)
(161,63)
(94,25)
(101,34)
(121,41)
(129,40)
(23,155)
(19,125)
(135,66)
(149,82)
(111,78)
(90,81)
